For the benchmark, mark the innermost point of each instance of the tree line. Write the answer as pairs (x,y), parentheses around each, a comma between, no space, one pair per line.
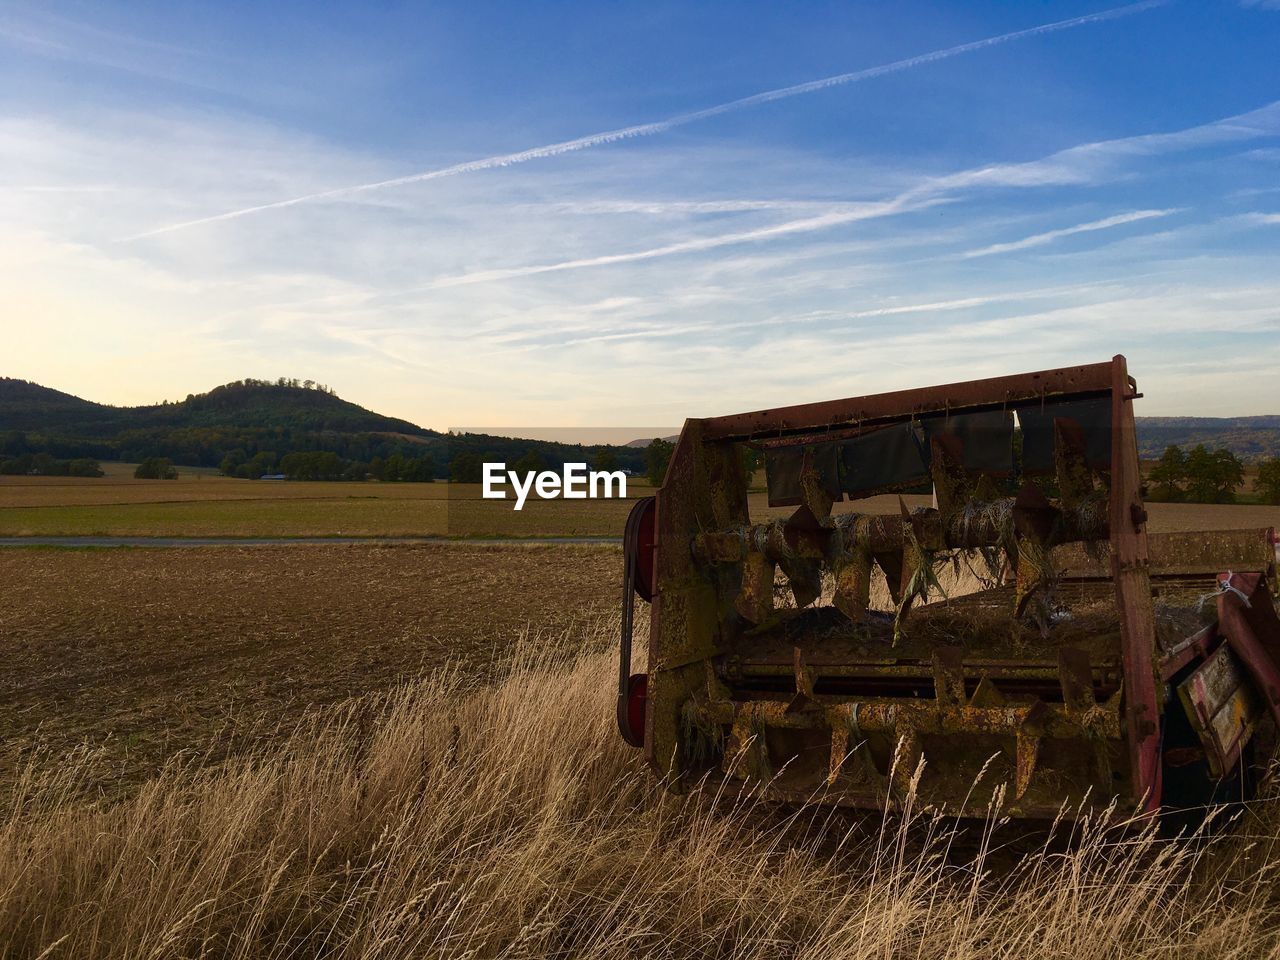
(45,465)
(1201,475)
(326,465)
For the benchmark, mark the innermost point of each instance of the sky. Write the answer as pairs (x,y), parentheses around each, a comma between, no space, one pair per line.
(571,214)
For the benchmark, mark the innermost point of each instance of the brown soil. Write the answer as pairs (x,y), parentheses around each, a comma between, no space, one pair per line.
(145,653)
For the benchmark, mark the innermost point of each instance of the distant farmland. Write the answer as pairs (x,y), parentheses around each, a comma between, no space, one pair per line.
(198,505)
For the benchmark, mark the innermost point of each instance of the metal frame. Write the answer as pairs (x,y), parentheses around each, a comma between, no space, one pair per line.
(703,501)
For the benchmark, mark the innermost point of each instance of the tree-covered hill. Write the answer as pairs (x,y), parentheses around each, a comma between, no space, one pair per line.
(245,404)
(255,423)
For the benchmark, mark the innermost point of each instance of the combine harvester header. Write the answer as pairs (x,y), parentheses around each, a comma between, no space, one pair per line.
(1095,660)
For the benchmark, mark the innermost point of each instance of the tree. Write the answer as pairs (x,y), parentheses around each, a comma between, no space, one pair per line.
(419,470)
(466,468)
(84,467)
(531,462)
(321,465)
(1168,476)
(1268,482)
(605,459)
(232,462)
(263,462)
(156,468)
(1213,476)
(656,457)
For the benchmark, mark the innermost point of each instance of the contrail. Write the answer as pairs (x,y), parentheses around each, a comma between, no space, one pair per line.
(661,126)
(1040,239)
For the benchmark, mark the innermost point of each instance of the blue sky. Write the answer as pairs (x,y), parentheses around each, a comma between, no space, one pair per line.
(1111,185)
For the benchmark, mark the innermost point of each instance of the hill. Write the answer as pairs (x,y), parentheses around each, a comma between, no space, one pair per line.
(247,419)
(245,404)
(1249,438)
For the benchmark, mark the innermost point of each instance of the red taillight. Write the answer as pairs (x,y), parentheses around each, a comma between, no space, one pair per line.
(637,693)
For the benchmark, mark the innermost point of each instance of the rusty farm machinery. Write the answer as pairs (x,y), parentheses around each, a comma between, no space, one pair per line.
(1087,660)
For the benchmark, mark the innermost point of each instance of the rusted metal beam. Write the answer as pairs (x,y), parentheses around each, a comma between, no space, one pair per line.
(1181,554)
(1130,574)
(996,392)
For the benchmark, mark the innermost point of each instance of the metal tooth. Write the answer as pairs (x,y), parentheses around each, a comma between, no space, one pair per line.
(1028,752)
(1028,748)
(853,585)
(805,577)
(748,754)
(804,682)
(948,677)
(843,720)
(1076,679)
(1035,574)
(891,563)
(987,694)
(950,480)
(1102,765)
(754,601)
(812,494)
(839,750)
(915,567)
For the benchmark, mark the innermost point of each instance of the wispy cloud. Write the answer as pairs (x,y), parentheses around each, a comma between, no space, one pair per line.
(695,207)
(699,244)
(1040,239)
(662,126)
(1080,164)
(1264,218)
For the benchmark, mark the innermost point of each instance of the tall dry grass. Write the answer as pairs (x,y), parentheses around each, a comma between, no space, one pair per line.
(458,820)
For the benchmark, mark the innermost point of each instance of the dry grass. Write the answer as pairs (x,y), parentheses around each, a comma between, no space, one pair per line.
(451,819)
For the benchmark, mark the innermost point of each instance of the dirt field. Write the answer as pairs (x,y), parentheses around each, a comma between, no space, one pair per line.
(152,652)
(195,506)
